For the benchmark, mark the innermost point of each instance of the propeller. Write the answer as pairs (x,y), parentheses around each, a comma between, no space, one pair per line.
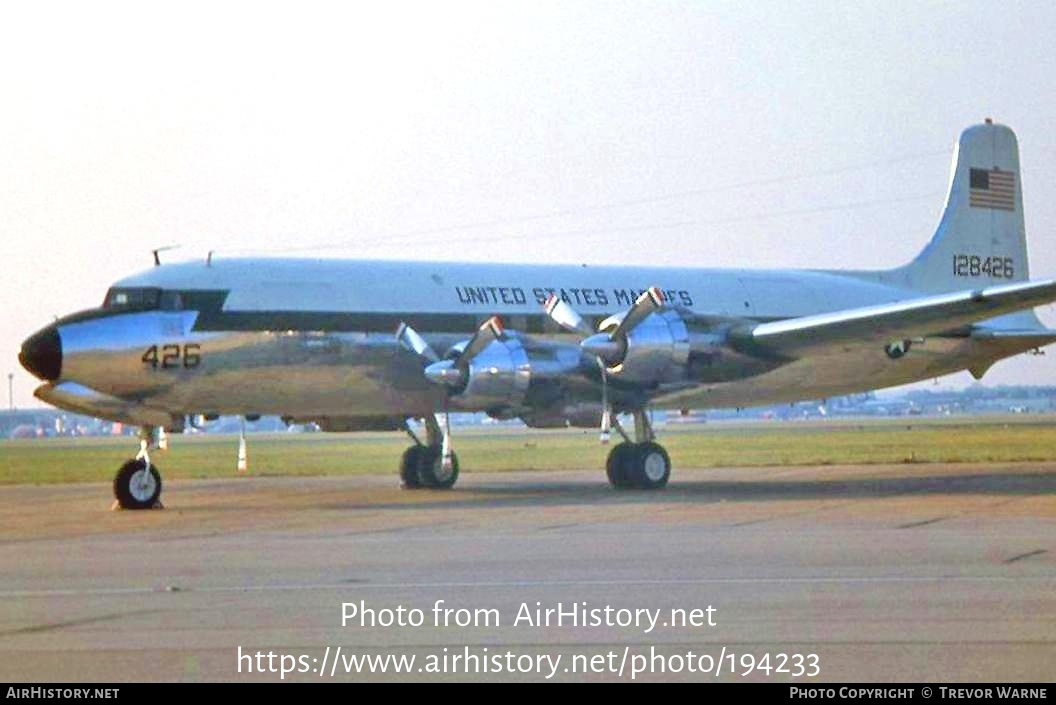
(565,316)
(489,331)
(649,301)
(608,348)
(408,337)
(450,372)
(611,346)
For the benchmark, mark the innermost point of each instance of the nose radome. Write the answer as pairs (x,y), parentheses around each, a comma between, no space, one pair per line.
(41,354)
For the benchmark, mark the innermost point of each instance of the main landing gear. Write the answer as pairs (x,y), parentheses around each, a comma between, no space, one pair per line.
(137,484)
(431,464)
(641,465)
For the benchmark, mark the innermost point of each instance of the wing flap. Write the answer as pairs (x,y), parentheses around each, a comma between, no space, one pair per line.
(1041,336)
(884,323)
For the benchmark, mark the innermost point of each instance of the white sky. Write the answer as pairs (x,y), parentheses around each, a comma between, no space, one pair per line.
(809,135)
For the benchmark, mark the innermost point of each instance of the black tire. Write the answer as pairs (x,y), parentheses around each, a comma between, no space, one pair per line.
(617,464)
(409,463)
(649,468)
(138,495)
(431,473)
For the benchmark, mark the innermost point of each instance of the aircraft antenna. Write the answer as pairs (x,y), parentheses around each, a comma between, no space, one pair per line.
(157,250)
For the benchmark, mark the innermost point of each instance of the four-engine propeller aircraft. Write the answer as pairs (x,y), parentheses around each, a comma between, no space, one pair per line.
(371,344)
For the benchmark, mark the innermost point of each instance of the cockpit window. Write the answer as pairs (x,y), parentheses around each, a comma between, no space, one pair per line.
(171,301)
(140,299)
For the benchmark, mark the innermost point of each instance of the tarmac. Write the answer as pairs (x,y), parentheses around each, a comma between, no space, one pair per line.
(887,573)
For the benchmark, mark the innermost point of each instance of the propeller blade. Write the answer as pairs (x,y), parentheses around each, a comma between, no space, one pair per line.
(650,301)
(561,313)
(489,331)
(409,338)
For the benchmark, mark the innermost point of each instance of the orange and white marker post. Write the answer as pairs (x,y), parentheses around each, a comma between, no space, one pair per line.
(243,460)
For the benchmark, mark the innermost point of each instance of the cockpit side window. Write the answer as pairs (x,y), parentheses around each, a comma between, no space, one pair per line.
(138,299)
(171,301)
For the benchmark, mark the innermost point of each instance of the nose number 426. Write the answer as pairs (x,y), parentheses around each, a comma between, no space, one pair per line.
(171,357)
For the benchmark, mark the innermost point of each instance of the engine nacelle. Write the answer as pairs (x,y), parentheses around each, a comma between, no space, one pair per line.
(656,351)
(496,377)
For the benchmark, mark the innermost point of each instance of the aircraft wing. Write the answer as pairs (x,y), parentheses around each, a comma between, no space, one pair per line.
(900,320)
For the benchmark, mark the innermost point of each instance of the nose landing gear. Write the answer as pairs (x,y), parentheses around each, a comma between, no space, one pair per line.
(137,484)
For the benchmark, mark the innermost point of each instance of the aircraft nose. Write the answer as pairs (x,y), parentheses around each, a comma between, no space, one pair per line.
(41,354)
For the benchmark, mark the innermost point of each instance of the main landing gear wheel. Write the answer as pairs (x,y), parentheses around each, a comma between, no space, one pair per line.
(422,464)
(650,467)
(135,487)
(431,470)
(617,464)
(409,467)
(642,466)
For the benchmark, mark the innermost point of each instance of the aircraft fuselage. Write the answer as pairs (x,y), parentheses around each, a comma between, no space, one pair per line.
(315,338)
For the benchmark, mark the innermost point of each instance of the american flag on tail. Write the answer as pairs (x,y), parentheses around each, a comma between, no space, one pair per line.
(992,188)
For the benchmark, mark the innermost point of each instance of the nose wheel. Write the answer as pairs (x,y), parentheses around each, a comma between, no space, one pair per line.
(137,484)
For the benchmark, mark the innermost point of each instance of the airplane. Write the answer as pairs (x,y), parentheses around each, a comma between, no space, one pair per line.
(353,344)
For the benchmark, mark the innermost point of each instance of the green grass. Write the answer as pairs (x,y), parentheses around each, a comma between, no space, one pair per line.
(1011,439)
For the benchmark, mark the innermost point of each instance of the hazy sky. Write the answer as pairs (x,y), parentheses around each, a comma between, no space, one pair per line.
(777,134)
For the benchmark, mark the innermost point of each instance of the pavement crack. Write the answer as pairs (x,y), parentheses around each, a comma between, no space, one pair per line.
(1028,554)
(55,626)
(556,527)
(925,522)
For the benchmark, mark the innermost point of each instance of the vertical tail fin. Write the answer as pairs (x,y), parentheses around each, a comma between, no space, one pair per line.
(981,238)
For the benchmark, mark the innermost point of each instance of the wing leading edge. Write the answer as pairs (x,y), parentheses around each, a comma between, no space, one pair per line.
(929,315)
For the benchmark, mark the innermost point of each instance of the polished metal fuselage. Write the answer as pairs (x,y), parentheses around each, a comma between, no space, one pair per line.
(316,338)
